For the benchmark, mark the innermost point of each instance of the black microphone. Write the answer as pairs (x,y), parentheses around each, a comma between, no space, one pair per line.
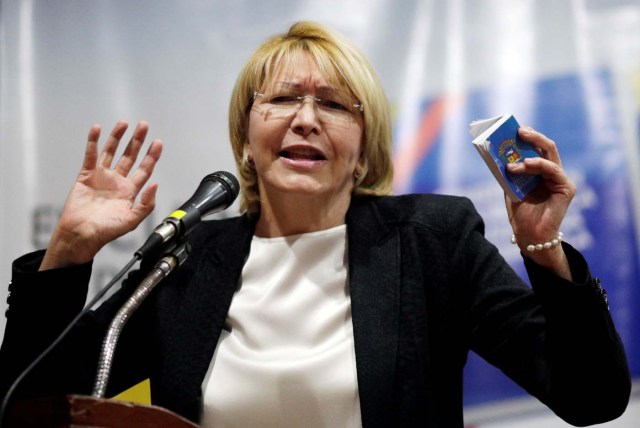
(215,193)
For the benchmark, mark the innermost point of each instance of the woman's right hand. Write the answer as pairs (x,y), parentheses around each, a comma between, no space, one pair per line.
(102,203)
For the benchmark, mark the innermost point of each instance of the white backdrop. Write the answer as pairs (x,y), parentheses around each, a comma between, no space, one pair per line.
(67,64)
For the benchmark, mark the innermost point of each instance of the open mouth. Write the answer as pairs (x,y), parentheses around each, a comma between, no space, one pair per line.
(302,153)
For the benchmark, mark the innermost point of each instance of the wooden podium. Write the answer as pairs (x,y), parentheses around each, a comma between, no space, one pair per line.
(80,411)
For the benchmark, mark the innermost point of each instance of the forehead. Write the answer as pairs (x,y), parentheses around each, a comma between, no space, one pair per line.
(303,71)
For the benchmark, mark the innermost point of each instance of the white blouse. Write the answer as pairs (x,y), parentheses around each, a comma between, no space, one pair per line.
(289,359)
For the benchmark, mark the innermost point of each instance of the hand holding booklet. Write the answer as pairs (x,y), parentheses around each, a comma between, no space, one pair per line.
(497,141)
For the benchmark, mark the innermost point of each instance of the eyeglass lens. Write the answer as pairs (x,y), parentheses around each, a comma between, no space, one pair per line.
(331,109)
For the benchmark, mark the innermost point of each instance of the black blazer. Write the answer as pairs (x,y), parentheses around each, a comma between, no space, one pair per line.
(426,287)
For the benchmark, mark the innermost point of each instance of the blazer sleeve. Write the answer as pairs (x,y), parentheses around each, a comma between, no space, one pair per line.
(583,342)
(556,339)
(41,306)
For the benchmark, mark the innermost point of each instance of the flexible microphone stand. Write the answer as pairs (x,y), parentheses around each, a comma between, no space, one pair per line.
(163,267)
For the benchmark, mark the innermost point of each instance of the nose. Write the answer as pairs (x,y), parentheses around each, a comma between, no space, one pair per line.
(310,101)
(306,118)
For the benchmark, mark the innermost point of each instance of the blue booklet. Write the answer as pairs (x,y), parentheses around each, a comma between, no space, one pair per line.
(497,141)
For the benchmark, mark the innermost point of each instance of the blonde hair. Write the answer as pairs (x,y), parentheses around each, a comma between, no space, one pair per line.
(345,67)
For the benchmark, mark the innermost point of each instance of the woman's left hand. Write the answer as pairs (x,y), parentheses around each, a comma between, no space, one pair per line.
(537,218)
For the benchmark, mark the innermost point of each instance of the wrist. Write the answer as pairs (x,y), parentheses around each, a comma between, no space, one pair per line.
(64,251)
(548,254)
(540,246)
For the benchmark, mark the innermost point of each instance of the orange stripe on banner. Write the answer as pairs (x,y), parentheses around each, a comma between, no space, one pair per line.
(410,155)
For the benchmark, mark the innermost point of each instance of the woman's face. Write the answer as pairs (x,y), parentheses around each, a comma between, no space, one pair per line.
(305,136)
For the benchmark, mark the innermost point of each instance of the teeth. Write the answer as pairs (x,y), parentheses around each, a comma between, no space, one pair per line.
(302,153)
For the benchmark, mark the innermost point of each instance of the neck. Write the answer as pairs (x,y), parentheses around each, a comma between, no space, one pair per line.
(298,214)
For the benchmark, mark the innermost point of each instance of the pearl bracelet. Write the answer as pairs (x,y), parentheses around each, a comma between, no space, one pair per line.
(545,245)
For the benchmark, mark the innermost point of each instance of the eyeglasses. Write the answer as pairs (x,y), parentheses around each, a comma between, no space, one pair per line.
(335,109)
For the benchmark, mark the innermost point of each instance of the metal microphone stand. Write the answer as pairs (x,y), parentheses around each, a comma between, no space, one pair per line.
(163,267)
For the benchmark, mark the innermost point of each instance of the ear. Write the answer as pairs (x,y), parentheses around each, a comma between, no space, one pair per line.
(361,159)
(247,152)
(358,173)
(361,165)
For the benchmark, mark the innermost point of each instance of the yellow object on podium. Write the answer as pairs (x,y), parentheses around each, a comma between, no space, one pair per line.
(140,393)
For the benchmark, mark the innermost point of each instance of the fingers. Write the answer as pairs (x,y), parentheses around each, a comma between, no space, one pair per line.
(545,146)
(109,150)
(537,166)
(549,164)
(555,178)
(147,201)
(91,152)
(128,159)
(146,167)
(130,154)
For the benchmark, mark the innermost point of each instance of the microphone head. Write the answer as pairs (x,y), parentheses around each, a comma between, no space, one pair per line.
(229,181)
(216,192)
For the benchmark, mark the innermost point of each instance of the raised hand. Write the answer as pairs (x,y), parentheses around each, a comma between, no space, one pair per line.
(537,218)
(103,203)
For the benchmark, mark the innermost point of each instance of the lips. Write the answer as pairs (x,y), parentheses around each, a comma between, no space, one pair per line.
(302,153)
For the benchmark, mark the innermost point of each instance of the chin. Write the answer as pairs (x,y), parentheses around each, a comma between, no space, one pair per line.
(303,186)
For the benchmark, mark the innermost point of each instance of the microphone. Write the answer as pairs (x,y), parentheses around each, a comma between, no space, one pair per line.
(216,192)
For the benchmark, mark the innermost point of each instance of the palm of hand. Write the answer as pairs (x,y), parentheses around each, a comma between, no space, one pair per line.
(101,205)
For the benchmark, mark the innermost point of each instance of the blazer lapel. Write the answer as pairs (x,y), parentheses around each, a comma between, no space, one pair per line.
(221,251)
(374,272)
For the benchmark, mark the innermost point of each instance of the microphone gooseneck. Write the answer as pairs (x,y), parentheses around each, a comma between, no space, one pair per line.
(163,267)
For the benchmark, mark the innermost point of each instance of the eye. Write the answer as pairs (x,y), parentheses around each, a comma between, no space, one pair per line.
(334,105)
(283,99)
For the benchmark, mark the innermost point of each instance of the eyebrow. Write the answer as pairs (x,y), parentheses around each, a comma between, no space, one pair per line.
(324,89)
(295,85)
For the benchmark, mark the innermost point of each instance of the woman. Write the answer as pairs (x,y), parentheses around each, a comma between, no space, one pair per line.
(326,303)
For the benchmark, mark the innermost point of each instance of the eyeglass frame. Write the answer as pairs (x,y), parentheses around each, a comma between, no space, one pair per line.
(317,103)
